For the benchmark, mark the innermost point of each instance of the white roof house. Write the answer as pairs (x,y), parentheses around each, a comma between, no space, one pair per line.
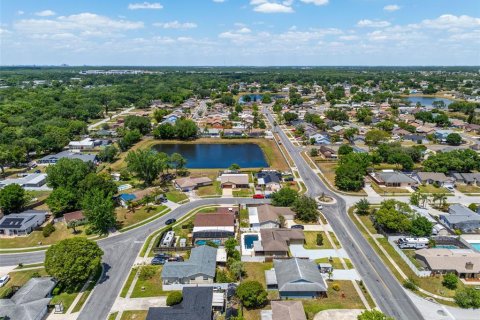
(29,181)
(86,143)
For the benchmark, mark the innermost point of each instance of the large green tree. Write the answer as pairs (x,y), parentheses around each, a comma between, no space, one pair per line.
(373,315)
(62,200)
(146,164)
(468,297)
(68,173)
(305,209)
(72,261)
(99,209)
(284,197)
(252,294)
(186,129)
(12,198)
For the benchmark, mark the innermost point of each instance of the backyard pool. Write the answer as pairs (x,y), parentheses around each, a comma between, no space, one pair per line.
(204,242)
(446,246)
(476,245)
(249,239)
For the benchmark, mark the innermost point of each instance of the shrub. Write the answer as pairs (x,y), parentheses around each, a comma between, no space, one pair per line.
(336,287)
(319,239)
(48,230)
(410,284)
(468,298)
(222,277)
(450,281)
(147,272)
(35,275)
(314,152)
(174,298)
(252,294)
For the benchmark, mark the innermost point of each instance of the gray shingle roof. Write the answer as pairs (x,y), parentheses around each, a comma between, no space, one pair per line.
(202,261)
(395,177)
(298,275)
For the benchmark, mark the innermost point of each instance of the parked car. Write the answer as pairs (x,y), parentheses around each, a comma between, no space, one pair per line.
(163,256)
(258,196)
(4,280)
(38,171)
(450,188)
(297,226)
(415,188)
(268,196)
(319,207)
(179,259)
(158,261)
(170,221)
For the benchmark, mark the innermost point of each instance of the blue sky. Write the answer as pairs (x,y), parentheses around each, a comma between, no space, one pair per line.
(240,32)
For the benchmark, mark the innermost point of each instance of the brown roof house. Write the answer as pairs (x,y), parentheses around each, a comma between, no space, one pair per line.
(275,242)
(267,216)
(216,227)
(75,216)
(284,310)
(189,184)
(463,262)
(234,180)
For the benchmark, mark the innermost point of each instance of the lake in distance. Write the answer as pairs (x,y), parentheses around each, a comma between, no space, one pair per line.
(208,156)
(428,101)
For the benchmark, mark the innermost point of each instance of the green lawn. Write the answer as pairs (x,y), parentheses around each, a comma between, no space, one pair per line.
(212,190)
(256,271)
(176,196)
(382,190)
(242,193)
(244,220)
(134,315)
(112,316)
(126,218)
(33,265)
(345,298)
(311,240)
(19,278)
(65,298)
(335,262)
(36,237)
(468,189)
(368,223)
(150,287)
(127,285)
(429,188)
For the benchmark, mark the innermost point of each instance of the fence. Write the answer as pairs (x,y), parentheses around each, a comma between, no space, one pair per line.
(420,273)
(175,249)
(180,286)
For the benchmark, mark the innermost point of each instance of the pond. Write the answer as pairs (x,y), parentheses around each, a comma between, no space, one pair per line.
(258,97)
(428,101)
(223,155)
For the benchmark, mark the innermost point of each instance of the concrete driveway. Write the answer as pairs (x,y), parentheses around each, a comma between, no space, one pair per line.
(298,250)
(338,314)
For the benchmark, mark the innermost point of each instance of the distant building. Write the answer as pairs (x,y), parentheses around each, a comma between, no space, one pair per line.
(267,216)
(53,158)
(462,218)
(29,181)
(189,184)
(390,178)
(465,263)
(21,224)
(270,180)
(438,178)
(85,144)
(234,180)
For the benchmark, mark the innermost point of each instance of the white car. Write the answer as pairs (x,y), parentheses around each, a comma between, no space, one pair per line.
(319,207)
(450,188)
(4,280)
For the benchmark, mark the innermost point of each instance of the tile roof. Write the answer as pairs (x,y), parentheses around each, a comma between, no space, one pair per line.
(298,275)
(214,220)
(202,260)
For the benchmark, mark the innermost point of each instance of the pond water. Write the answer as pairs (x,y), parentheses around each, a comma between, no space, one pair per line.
(247,155)
(258,97)
(428,101)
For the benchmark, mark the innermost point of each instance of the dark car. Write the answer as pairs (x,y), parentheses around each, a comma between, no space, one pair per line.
(170,221)
(297,226)
(415,188)
(268,196)
(158,261)
(38,171)
(162,256)
(175,259)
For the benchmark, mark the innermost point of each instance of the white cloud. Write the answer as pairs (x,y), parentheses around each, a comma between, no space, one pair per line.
(45,13)
(20,12)
(271,7)
(316,2)
(449,21)
(391,7)
(373,23)
(175,25)
(82,24)
(145,5)
(349,38)
(244,30)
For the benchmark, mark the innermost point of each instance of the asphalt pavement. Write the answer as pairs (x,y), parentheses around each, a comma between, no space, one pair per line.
(383,286)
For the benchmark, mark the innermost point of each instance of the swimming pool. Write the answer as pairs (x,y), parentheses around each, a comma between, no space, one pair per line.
(476,245)
(249,239)
(204,242)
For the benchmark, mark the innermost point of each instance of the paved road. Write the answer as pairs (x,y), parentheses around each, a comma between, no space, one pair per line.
(384,287)
(96,124)
(120,253)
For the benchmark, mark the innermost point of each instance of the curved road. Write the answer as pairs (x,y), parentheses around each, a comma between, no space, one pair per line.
(383,286)
(120,252)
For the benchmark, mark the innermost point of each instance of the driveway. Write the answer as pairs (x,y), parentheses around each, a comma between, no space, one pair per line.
(122,304)
(298,250)
(338,274)
(227,192)
(338,314)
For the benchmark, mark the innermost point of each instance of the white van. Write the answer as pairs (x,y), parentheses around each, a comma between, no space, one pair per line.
(412,243)
(4,280)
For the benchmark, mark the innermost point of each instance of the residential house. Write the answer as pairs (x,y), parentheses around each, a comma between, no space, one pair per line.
(198,269)
(461,218)
(218,226)
(320,138)
(328,153)
(390,178)
(269,179)
(28,182)
(275,242)
(197,303)
(467,178)
(30,302)
(284,310)
(21,224)
(85,144)
(75,216)
(441,135)
(417,138)
(53,158)
(299,278)
(267,216)
(234,180)
(171,119)
(465,263)
(189,183)
(437,178)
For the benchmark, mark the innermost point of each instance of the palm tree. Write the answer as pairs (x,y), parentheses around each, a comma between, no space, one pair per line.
(131,206)
(423,198)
